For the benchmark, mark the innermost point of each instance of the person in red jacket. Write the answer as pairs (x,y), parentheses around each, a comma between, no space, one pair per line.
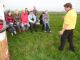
(10,23)
(24,21)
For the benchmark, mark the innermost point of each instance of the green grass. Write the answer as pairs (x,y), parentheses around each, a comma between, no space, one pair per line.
(43,46)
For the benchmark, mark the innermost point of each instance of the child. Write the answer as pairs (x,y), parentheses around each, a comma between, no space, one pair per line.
(10,23)
(46,22)
(41,20)
(17,20)
(24,21)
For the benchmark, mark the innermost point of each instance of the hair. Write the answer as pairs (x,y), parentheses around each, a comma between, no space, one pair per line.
(26,8)
(1,20)
(43,12)
(9,12)
(68,5)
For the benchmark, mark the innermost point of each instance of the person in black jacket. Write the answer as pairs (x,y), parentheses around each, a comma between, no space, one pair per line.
(41,20)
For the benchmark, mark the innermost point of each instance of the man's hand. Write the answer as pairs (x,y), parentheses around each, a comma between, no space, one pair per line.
(61,32)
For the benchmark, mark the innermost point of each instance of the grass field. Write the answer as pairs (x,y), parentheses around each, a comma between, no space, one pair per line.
(43,46)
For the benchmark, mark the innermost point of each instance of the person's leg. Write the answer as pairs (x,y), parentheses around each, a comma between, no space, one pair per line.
(70,40)
(10,26)
(44,27)
(48,27)
(18,26)
(63,40)
(31,27)
(26,26)
(36,27)
(12,29)
(23,27)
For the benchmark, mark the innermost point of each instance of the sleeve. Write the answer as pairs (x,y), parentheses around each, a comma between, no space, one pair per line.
(13,19)
(30,19)
(6,19)
(34,19)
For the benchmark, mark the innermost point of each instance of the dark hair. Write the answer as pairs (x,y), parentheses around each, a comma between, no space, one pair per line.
(68,5)
(1,20)
(8,12)
(43,12)
(26,8)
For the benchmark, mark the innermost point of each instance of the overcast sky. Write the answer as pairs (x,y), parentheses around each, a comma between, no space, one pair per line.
(51,5)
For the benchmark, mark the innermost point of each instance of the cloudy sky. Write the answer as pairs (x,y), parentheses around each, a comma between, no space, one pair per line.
(51,5)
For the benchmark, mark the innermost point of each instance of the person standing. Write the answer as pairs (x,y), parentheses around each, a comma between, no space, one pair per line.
(35,12)
(69,24)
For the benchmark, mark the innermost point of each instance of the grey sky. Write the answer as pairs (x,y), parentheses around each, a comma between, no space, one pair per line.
(51,5)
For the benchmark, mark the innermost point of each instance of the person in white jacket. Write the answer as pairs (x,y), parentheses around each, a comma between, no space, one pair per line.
(32,21)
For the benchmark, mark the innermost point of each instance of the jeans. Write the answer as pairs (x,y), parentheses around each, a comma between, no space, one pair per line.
(18,25)
(24,26)
(33,26)
(11,27)
(46,27)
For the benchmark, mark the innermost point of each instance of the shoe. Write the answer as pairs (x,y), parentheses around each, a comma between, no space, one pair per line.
(49,32)
(12,34)
(73,50)
(45,31)
(60,49)
(15,32)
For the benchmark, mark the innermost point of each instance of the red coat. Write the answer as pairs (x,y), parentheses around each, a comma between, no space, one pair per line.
(9,19)
(24,18)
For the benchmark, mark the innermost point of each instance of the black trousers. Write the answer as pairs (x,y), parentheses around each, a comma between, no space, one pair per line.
(33,26)
(67,35)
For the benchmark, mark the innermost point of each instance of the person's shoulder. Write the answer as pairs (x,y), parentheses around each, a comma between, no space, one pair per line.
(29,15)
(74,12)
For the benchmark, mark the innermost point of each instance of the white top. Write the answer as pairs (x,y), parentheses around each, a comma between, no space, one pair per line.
(30,17)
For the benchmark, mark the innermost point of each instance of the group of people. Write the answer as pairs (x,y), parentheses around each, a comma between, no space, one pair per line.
(29,20)
(26,20)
